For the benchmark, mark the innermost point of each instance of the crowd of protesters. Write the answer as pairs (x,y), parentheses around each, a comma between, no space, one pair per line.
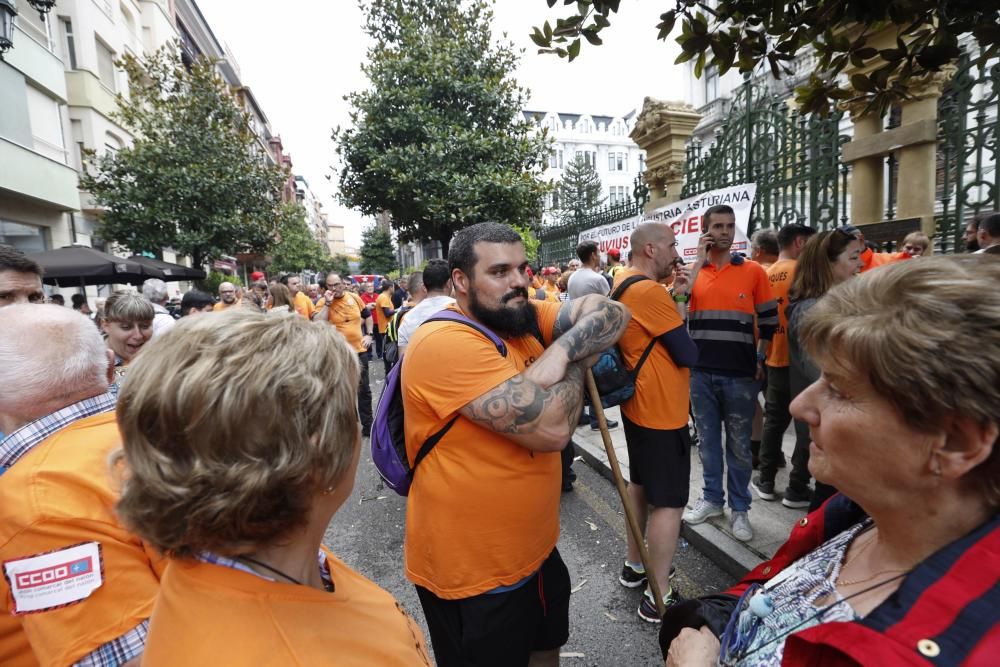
(149,512)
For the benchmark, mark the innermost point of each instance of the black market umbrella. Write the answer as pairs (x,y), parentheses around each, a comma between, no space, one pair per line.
(74,266)
(171,272)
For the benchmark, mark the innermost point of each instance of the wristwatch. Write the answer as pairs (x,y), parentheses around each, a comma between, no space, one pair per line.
(761,358)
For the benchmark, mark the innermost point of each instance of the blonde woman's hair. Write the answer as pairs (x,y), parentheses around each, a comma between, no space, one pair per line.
(230,432)
(938,318)
(128,307)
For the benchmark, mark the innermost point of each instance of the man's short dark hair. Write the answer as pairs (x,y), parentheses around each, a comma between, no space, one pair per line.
(586,250)
(387,285)
(706,217)
(792,231)
(78,301)
(12,259)
(990,223)
(436,275)
(58,298)
(462,252)
(195,300)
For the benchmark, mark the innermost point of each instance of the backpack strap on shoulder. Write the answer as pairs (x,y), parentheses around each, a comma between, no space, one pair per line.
(628,282)
(449,315)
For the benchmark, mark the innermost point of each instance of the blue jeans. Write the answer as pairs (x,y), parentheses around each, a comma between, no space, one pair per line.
(721,399)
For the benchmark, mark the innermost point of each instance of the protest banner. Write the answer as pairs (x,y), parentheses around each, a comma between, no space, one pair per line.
(685,219)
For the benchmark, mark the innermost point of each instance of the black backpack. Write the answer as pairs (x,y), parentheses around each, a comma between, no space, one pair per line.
(615,382)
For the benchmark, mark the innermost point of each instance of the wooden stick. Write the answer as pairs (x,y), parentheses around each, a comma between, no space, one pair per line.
(631,520)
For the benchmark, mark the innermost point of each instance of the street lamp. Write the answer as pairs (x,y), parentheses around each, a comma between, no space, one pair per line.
(8,10)
(43,7)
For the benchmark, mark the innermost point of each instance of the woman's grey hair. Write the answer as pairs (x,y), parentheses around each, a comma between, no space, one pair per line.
(155,290)
(48,352)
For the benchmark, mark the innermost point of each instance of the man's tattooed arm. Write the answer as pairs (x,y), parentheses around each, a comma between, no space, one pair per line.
(532,416)
(589,325)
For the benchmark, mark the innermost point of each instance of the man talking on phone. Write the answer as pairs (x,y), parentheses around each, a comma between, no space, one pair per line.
(727,292)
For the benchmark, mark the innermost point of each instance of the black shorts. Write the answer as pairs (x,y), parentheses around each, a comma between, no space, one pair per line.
(501,629)
(660,462)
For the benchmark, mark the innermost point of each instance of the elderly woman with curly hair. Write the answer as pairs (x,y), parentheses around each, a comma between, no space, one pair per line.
(903,566)
(239,453)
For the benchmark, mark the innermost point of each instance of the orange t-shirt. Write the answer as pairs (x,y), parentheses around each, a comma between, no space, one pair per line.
(61,495)
(662,390)
(384,300)
(303,305)
(551,294)
(780,275)
(211,614)
(483,511)
(345,315)
(220,306)
(872,260)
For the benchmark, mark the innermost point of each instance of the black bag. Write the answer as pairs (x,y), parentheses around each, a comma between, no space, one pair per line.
(615,382)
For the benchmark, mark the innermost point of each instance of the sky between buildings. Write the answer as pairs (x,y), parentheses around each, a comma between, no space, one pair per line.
(302,58)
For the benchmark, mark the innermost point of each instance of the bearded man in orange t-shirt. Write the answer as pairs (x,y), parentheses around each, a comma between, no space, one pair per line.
(482,521)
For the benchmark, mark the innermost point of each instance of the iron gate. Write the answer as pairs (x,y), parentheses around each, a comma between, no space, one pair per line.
(793,158)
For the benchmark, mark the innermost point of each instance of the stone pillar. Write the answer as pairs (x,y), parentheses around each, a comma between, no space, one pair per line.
(867,175)
(914,142)
(918,162)
(663,130)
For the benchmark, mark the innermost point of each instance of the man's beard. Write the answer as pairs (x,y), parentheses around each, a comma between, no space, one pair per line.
(506,321)
(972,246)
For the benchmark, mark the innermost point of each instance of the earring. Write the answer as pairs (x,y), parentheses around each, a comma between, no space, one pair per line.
(936,467)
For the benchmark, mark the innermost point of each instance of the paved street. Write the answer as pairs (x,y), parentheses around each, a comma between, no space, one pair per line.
(604,628)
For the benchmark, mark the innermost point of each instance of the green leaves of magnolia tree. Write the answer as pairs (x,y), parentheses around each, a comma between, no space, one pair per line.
(193,179)
(746,34)
(296,249)
(438,139)
(378,254)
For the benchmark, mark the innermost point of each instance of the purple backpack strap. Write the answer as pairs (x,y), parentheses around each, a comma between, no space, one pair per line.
(448,315)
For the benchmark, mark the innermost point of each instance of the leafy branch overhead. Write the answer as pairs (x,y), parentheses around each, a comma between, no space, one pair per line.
(746,34)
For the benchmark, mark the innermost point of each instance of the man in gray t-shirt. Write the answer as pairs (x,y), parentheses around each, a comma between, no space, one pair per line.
(588,280)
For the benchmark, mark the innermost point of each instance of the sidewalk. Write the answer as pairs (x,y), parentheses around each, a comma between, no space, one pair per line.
(771,521)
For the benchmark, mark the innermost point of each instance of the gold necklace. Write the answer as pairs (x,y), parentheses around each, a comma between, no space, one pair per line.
(861,549)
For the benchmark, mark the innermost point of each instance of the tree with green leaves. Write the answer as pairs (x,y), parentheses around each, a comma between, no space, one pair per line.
(378,254)
(296,248)
(339,264)
(438,139)
(747,33)
(580,190)
(529,240)
(191,180)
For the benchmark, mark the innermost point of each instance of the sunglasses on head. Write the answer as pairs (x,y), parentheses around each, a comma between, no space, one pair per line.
(849,231)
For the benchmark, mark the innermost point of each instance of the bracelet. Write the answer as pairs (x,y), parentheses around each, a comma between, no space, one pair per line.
(681,298)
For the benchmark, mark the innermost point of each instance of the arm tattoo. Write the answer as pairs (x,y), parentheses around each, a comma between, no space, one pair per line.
(517,405)
(594,331)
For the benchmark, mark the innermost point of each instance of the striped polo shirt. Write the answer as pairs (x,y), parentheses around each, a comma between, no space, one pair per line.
(724,304)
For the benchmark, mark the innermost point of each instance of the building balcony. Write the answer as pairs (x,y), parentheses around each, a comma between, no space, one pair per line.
(38,177)
(37,63)
(83,89)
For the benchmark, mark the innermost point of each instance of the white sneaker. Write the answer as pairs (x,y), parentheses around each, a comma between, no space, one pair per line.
(701,512)
(741,527)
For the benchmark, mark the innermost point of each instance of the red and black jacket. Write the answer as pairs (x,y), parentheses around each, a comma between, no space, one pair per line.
(946,612)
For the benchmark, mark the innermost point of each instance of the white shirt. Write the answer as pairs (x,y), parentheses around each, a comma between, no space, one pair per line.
(586,281)
(162,319)
(418,315)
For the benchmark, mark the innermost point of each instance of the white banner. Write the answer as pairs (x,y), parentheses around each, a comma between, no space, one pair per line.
(685,219)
